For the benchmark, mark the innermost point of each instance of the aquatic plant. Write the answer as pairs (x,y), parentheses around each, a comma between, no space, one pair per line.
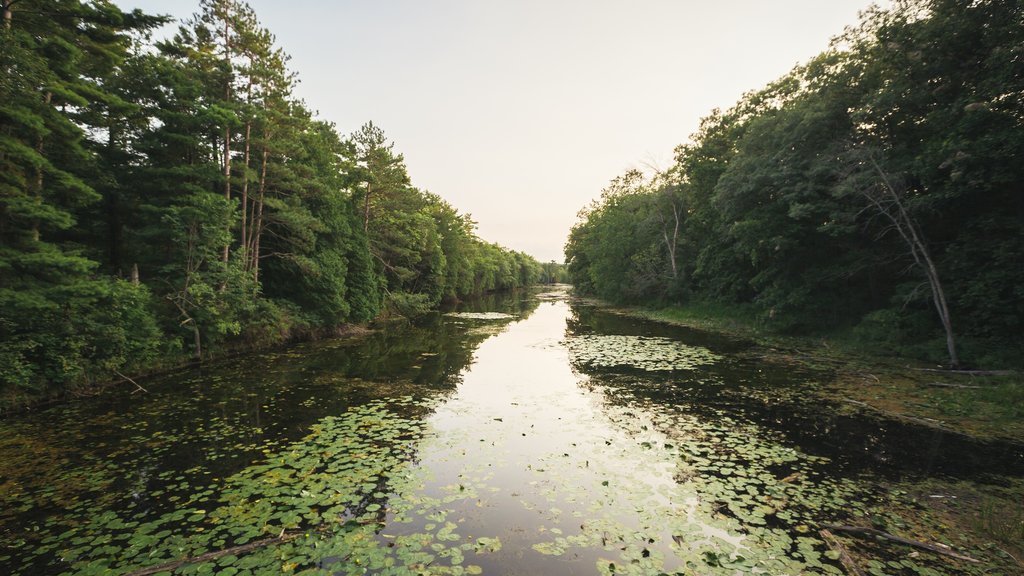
(652,354)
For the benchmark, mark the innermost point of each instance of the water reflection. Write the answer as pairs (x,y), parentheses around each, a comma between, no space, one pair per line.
(517,435)
(147,455)
(528,454)
(783,398)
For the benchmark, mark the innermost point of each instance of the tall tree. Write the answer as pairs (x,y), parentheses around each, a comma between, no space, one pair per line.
(58,59)
(381,171)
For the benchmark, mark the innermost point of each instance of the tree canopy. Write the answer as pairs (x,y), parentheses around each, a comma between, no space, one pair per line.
(172,199)
(876,189)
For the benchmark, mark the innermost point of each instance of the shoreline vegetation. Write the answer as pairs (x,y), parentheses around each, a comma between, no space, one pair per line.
(11,405)
(873,195)
(984,406)
(987,405)
(171,201)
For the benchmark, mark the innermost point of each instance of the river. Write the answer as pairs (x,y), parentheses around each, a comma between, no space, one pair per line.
(522,434)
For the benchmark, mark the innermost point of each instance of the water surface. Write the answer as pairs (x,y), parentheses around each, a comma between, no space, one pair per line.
(518,435)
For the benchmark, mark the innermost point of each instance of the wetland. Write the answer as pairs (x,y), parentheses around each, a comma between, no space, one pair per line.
(530,433)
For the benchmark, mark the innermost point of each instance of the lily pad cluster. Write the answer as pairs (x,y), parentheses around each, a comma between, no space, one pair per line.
(332,491)
(629,502)
(771,493)
(480,315)
(603,469)
(650,354)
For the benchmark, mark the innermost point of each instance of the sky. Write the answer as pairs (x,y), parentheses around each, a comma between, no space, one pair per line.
(519,112)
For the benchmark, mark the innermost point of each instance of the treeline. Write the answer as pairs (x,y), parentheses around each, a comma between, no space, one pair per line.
(877,190)
(553,273)
(164,200)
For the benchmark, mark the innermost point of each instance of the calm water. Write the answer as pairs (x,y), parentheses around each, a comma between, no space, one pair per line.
(516,435)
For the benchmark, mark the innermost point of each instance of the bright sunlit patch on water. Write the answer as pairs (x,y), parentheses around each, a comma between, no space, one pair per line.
(525,448)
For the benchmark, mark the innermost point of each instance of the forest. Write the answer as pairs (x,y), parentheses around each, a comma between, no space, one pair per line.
(874,194)
(174,199)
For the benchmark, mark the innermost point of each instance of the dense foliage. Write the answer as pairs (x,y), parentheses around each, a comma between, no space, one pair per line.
(163,200)
(876,190)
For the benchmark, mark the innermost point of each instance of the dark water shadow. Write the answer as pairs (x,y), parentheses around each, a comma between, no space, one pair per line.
(145,455)
(780,396)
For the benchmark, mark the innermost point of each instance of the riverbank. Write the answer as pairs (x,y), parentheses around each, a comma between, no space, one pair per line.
(983,513)
(16,401)
(986,405)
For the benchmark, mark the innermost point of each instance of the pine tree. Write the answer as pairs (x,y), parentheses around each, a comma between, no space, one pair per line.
(56,319)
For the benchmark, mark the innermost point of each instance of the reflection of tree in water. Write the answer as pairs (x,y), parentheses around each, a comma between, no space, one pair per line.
(519,303)
(780,397)
(589,319)
(752,440)
(148,454)
(431,351)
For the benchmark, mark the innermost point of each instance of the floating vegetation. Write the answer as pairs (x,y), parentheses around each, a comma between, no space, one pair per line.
(552,296)
(652,354)
(389,458)
(480,315)
(332,490)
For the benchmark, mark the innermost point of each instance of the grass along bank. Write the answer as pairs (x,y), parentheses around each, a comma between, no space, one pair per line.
(983,513)
(982,404)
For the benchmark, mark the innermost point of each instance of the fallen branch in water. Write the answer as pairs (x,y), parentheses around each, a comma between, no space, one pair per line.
(1019,563)
(235,550)
(859,530)
(137,386)
(970,372)
(929,422)
(844,557)
(945,385)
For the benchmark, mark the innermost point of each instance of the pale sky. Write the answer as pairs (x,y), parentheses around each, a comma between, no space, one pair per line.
(519,112)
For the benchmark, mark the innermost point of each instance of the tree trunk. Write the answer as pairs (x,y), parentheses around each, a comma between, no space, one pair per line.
(256,243)
(257,226)
(197,342)
(5,5)
(366,210)
(114,226)
(227,181)
(48,98)
(256,211)
(674,243)
(874,533)
(245,177)
(227,128)
(907,229)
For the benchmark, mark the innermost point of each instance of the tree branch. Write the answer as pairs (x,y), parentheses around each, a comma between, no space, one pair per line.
(235,550)
(844,557)
(137,386)
(861,531)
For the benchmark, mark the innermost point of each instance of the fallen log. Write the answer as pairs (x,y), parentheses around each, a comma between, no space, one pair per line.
(929,422)
(216,554)
(969,372)
(945,385)
(844,557)
(860,530)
